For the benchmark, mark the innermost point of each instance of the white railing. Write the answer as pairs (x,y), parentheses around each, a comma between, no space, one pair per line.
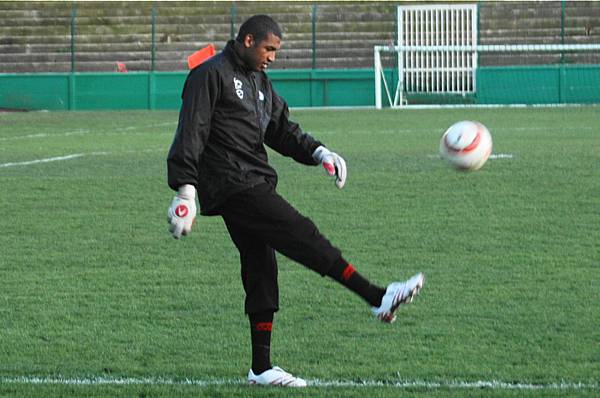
(435,51)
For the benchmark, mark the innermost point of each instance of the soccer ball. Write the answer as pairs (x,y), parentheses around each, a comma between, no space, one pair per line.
(466,145)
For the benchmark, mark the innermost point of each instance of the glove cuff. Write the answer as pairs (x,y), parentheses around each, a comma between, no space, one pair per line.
(320,153)
(187,191)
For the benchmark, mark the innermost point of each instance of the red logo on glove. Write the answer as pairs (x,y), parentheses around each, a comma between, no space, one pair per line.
(330,168)
(181,211)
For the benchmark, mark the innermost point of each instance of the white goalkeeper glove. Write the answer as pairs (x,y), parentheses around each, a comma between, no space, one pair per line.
(333,164)
(182,212)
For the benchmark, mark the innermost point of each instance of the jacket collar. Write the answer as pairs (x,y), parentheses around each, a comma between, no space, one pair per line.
(231,52)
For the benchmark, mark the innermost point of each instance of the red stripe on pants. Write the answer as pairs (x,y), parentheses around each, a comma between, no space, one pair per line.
(264,326)
(348,271)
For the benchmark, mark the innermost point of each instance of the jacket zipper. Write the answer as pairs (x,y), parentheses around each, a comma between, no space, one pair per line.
(255,99)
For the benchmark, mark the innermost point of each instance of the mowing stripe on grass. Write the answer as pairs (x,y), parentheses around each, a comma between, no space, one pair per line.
(400,384)
(87,131)
(79,155)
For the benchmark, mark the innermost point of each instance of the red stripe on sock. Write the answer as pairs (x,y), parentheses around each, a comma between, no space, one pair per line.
(348,271)
(264,326)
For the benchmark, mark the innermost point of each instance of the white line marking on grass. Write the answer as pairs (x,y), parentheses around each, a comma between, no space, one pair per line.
(36,161)
(75,156)
(400,384)
(494,384)
(492,156)
(45,135)
(501,156)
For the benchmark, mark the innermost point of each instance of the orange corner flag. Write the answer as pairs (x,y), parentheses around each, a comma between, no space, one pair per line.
(200,56)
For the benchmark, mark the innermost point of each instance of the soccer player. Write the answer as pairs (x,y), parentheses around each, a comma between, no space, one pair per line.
(229,112)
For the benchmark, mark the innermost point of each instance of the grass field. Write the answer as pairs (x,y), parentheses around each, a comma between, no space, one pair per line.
(96,298)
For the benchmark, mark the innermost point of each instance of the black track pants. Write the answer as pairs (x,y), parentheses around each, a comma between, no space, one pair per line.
(260,222)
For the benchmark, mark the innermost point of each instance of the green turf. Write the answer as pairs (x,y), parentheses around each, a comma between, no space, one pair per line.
(92,285)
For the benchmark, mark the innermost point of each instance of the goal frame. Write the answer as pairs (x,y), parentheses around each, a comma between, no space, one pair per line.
(397,98)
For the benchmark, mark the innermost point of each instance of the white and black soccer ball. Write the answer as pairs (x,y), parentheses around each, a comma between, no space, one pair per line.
(466,145)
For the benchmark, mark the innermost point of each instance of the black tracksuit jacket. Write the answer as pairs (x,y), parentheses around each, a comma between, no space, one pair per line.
(227,115)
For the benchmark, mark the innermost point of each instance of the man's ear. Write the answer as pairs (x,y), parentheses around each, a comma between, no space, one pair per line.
(248,40)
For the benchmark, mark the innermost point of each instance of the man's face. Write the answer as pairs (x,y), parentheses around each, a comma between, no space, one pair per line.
(258,56)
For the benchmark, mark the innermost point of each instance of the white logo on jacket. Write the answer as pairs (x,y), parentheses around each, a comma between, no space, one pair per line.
(238,88)
(261,96)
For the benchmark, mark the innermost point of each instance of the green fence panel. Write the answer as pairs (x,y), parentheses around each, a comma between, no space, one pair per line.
(321,87)
(518,85)
(34,91)
(350,87)
(301,88)
(582,84)
(111,91)
(296,86)
(168,88)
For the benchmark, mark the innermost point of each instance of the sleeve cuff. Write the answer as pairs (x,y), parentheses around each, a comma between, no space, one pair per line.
(187,191)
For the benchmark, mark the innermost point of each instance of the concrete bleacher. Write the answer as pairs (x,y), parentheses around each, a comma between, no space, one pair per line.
(37,36)
(529,22)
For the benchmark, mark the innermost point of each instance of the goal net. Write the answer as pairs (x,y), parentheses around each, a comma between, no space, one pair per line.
(438,61)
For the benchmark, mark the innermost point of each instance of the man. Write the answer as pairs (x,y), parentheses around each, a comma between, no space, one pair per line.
(229,112)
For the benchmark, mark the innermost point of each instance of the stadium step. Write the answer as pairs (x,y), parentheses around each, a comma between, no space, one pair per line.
(36,36)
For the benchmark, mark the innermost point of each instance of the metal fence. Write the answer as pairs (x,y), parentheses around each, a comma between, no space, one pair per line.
(159,36)
(146,36)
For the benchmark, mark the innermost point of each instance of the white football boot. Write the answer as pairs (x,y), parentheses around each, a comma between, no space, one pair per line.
(398,293)
(275,377)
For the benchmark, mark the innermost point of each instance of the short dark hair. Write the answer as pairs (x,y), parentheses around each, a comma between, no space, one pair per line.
(259,26)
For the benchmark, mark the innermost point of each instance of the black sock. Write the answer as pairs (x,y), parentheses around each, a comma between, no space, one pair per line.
(261,325)
(344,272)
